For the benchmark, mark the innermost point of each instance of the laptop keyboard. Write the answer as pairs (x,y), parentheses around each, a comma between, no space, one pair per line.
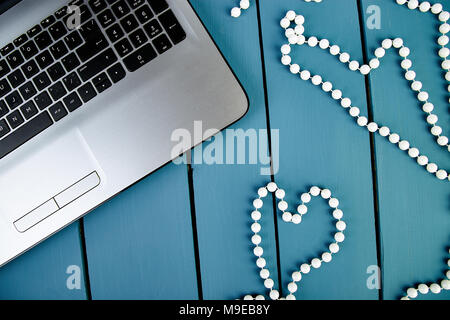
(50,71)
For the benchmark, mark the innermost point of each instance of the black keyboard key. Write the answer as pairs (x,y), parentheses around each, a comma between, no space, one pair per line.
(16,78)
(153,28)
(71,81)
(123,47)
(87,92)
(48,21)
(158,5)
(92,47)
(4,128)
(172,27)
(58,50)
(162,44)
(29,49)
(135,3)
(44,59)
(140,57)
(116,72)
(3,108)
(138,38)
(97,65)
(7,49)
(73,40)
(106,18)
(43,40)
(29,110)
(41,81)
(27,90)
(34,31)
(111,1)
(85,13)
(56,71)
(76,2)
(25,133)
(144,14)
(13,100)
(58,111)
(15,59)
(30,69)
(15,119)
(72,101)
(5,88)
(90,30)
(60,13)
(4,68)
(129,23)
(120,9)
(43,100)
(20,40)
(101,82)
(70,62)
(57,30)
(57,91)
(115,33)
(97,5)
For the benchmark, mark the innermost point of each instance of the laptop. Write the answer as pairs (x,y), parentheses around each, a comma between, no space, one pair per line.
(90,94)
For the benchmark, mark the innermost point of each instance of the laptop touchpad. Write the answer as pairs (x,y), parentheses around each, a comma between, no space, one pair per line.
(59,201)
(57,174)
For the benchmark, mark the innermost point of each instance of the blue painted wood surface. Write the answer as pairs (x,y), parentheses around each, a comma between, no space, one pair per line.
(140,245)
(41,273)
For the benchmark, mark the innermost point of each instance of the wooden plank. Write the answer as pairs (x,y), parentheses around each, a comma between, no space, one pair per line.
(224,193)
(139,244)
(41,272)
(413,204)
(321,145)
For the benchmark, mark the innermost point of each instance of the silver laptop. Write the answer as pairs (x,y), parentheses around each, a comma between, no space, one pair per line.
(90,94)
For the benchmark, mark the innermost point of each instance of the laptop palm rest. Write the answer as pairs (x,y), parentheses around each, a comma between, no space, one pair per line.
(59,201)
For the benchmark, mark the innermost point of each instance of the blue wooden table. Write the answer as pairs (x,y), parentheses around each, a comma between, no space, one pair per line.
(183,232)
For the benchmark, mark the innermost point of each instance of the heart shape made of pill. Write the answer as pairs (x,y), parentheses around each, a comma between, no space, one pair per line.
(296,218)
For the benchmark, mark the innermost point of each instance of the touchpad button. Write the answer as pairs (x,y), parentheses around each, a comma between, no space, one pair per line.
(77,190)
(35,216)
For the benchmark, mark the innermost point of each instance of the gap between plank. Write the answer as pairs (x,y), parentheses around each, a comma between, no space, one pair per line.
(269,137)
(372,150)
(190,172)
(84,259)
